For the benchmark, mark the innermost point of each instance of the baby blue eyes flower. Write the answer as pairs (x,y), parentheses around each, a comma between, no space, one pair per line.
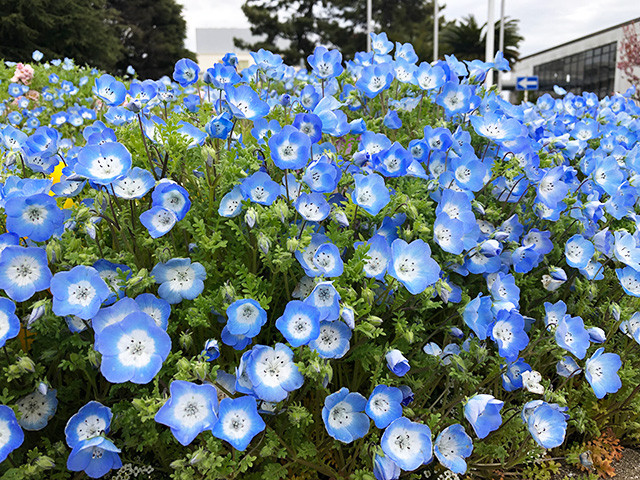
(512,378)
(186,72)
(343,415)
(190,410)
(325,298)
(260,188)
(313,207)
(482,411)
(385,469)
(246,317)
(95,456)
(36,409)
(384,405)
(567,367)
(134,185)
(478,316)
(179,279)
(397,363)
(238,421)
(211,350)
(629,280)
(412,265)
(12,435)
(375,79)
(452,446)
(508,332)
(300,323)
(168,194)
(231,203)
(327,260)
(601,371)
(370,193)
(377,257)
(290,148)
(110,90)
(578,251)
(547,426)
(79,291)
(104,163)
(158,221)
(9,322)
(244,102)
(326,63)
(272,372)
(133,349)
(36,216)
(572,336)
(92,420)
(407,443)
(333,340)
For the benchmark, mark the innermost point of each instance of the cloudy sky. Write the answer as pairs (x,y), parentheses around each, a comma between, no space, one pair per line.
(543,23)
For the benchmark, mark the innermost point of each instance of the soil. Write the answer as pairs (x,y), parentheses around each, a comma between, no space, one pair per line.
(626,469)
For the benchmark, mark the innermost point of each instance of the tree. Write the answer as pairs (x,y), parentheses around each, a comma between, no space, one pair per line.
(152,34)
(294,28)
(630,54)
(79,29)
(466,39)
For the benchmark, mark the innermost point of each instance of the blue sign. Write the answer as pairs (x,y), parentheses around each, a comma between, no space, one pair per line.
(526,83)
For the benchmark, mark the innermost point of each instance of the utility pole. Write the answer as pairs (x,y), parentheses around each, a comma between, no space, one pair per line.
(436,27)
(369,8)
(490,47)
(501,42)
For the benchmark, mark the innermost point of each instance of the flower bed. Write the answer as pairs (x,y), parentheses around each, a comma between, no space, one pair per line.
(373,268)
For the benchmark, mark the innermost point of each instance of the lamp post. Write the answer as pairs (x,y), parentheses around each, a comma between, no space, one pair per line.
(436,27)
(369,8)
(501,42)
(490,46)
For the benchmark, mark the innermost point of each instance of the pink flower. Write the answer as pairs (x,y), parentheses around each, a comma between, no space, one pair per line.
(23,74)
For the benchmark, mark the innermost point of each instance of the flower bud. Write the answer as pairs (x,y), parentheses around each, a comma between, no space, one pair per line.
(197,457)
(36,314)
(292,244)
(264,244)
(186,340)
(251,217)
(26,364)
(340,217)
(45,462)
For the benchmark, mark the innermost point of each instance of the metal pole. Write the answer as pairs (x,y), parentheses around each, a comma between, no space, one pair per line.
(490,47)
(501,42)
(369,8)
(436,27)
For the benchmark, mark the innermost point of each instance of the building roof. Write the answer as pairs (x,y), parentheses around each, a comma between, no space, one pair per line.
(599,32)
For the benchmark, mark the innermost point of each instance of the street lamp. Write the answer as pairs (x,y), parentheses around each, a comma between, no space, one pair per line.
(490,46)
(369,8)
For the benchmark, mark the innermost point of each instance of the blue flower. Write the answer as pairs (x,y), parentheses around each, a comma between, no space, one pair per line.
(300,323)
(95,456)
(429,77)
(397,363)
(132,349)
(377,257)
(9,321)
(36,216)
(452,446)
(385,469)
(110,273)
(601,371)
(572,336)
(134,185)
(238,342)
(211,350)
(260,188)
(245,102)
(231,203)
(12,434)
(512,378)
(407,443)
(238,421)
(313,207)
(547,426)
(495,127)
(309,124)
(327,259)
(508,332)
(179,279)
(326,63)
(110,90)
(343,415)
(384,405)
(219,126)
(578,251)
(629,280)
(104,163)
(325,298)
(370,193)
(186,72)
(272,372)
(412,265)
(333,340)
(113,314)
(482,411)
(245,317)
(79,291)
(36,409)
(375,79)
(158,221)
(168,194)
(478,316)
(92,420)
(290,148)
(190,409)
(567,367)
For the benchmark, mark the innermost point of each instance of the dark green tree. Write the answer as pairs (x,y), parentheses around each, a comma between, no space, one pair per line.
(152,36)
(294,28)
(466,39)
(79,29)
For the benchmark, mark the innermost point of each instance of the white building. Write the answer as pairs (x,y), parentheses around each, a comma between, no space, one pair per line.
(588,64)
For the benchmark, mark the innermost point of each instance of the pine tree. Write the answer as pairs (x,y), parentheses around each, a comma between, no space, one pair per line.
(301,25)
(79,29)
